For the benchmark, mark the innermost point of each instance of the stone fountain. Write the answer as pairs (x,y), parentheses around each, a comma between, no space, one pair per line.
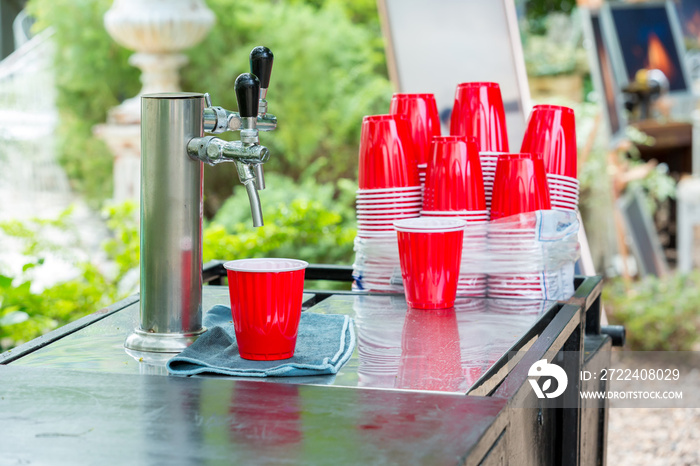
(158,31)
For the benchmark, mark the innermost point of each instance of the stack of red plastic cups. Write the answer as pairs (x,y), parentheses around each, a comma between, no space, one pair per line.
(520,187)
(422,113)
(389,191)
(455,188)
(551,131)
(478,111)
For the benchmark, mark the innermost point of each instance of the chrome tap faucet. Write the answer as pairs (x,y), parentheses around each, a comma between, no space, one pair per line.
(173,149)
(247,153)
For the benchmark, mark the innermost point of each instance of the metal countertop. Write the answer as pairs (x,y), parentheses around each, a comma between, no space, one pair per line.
(397,347)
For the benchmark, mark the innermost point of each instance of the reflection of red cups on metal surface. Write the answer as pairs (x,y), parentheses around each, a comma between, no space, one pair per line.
(454,180)
(277,427)
(551,131)
(478,111)
(422,114)
(387,157)
(430,252)
(430,351)
(266,297)
(520,186)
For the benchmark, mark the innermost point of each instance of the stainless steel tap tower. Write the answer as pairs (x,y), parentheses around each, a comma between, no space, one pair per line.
(173,148)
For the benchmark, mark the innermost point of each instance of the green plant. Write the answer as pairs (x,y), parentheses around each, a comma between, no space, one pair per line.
(660,314)
(92,75)
(28,309)
(307,221)
(123,245)
(329,71)
(552,44)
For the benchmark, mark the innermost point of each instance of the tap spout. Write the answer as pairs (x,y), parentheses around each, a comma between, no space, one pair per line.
(254,199)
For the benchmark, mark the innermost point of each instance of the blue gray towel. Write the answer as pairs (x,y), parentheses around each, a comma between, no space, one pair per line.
(324,343)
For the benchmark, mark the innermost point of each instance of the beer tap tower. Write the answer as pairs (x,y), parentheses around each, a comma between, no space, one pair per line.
(173,149)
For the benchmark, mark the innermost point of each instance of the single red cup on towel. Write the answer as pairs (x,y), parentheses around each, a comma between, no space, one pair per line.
(266,298)
(387,155)
(422,113)
(430,252)
(454,180)
(478,111)
(520,185)
(551,131)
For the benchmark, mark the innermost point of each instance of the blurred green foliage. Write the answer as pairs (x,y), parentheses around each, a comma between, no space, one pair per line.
(660,314)
(303,220)
(92,76)
(537,11)
(27,311)
(329,71)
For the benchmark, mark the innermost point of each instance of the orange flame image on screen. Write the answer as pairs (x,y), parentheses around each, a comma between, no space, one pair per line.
(657,57)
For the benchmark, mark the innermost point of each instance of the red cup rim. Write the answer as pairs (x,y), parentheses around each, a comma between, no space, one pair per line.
(560,197)
(388,205)
(266,265)
(562,187)
(466,213)
(479,84)
(384,117)
(418,230)
(453,138)
(565,177)
(558,182)
(397,190)
(369,215)
(413,95)
(519,155)
(430,223)
(553,107)
(383,200)
(391,211)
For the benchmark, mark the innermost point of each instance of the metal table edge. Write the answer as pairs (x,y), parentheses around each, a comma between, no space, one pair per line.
(65,330)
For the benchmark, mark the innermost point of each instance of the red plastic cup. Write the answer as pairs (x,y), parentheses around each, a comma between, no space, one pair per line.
(430,251)
(551,131)
(520,185)
(387,156)
(266,298)
(454,180)
(478,111)
(422,113)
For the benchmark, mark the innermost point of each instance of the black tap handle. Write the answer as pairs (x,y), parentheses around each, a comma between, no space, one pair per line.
(247,89)
(261,65)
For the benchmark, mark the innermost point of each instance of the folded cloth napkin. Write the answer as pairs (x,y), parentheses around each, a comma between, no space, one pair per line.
(324,343)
